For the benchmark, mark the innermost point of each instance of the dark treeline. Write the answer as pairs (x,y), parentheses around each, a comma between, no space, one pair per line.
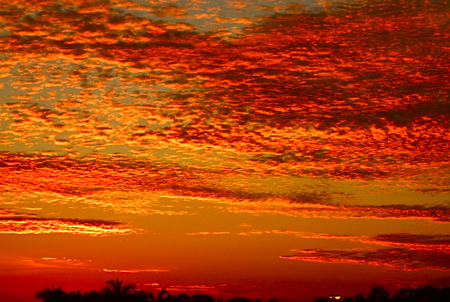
(116,291)
(379,294)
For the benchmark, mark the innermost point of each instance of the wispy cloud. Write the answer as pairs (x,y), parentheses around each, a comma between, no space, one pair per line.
(406,252)
(64,263)
(319,210)
(209,233)
(135,271)
(190,288)
(53,263)
(306,235)
(414,241)
(11,213)
(103,182)
(395,258)
(21,224)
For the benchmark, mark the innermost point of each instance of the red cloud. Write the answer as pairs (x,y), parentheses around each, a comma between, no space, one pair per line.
(98,174)
(409,252)
(396,258)
(289,94)
(14,223)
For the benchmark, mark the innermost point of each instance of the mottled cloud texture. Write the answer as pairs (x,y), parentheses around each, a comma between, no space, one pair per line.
(133,186)
(352,93)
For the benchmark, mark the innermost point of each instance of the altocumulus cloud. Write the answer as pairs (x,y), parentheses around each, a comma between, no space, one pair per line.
(366,108)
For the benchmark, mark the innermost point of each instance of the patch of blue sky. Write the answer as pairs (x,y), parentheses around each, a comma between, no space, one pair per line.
(218,14)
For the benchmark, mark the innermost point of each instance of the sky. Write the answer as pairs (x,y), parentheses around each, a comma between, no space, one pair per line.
(260,148)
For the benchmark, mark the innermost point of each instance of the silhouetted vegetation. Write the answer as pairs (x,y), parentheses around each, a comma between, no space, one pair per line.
(379,294)
(116,291)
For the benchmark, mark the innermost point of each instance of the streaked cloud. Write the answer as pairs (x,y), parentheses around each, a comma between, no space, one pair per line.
(306,235)
(65,263)
(403,251)
(135,271)
(395,258)
(307,210)
(406,252)
(106,183)
(11,213)
(53,263)
(415,241)
(190,288)
(23,224)
(209,233)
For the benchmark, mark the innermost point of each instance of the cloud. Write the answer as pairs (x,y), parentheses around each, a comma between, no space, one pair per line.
(208,233)
(308,235)
(409,252)
(318,210)
(414,241)
(53,263)
(106,182)
(189,288)
(402,251)
(11,213)
(395,258)
(169,10)
(287,98)
(303,98)
(135,271)
(24,224)
(405,251)
(65,263)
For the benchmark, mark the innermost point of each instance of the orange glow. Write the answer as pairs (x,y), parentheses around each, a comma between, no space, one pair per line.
(64,226)
(221,141)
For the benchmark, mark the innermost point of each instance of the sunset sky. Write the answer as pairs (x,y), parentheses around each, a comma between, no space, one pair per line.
(258,148)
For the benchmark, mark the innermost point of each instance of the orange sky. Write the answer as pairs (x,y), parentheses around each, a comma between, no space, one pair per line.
(261,148)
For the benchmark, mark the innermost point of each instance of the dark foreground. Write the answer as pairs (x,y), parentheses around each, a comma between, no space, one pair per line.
(116,291)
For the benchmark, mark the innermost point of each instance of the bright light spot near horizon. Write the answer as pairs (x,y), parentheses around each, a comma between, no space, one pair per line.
(335,297)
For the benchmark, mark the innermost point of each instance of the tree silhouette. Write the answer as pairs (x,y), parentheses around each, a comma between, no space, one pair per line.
(202,298)
(92,296)
(378,294)
(161,294)
(183,298)
(116,289)
(52,295)
(360,298)
(139,296)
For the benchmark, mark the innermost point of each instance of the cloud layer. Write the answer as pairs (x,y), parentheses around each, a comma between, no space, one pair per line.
(297,93)
(404,251)
(128,186)
(177,108)
(23,224)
